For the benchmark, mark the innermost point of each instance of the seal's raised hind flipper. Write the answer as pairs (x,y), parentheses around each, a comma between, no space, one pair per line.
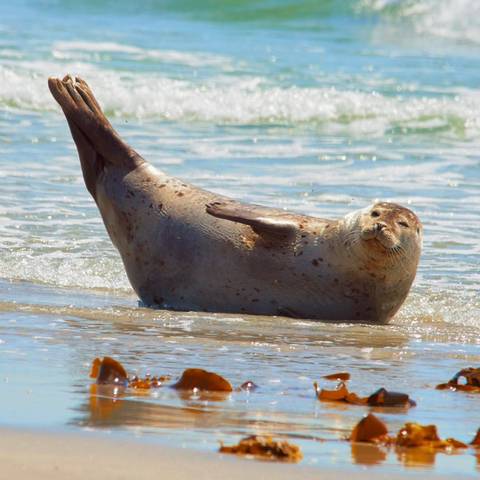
(258,218)
(97,142)
(91,161)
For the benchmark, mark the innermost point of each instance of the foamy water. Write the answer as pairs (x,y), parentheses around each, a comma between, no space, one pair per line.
(458,20)
(318,108)
(248,100)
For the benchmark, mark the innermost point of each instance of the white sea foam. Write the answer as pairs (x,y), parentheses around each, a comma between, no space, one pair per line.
(103,272)
(457,20)
(81,50)
(238,100)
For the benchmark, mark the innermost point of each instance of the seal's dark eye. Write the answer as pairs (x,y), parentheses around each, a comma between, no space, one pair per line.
(375,213)
(403,224)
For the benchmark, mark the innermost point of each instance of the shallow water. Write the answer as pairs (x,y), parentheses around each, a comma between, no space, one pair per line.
(318,107)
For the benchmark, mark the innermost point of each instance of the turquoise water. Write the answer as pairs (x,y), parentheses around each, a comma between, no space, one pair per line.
(320,107)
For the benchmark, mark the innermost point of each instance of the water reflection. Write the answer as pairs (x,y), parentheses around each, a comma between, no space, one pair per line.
(419,456)
(368,454)
(423,457)
(110,406)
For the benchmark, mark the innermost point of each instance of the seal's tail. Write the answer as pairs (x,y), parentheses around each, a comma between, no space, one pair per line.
(97,142)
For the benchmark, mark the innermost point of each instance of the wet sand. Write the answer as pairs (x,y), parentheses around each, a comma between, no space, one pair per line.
(34,455)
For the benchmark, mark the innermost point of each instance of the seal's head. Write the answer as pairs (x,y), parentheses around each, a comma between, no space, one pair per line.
(386,232)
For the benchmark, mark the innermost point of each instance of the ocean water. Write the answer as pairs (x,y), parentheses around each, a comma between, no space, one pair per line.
(318,107)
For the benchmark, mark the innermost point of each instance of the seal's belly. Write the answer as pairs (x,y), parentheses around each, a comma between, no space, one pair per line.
(190,273)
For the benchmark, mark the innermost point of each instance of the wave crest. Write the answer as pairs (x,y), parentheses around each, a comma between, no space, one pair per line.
(457,20)
(248,101)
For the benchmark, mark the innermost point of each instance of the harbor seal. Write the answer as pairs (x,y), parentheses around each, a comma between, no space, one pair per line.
(185,248)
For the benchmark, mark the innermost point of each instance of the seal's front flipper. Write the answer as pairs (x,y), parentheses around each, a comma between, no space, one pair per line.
(84,115)
(260,219)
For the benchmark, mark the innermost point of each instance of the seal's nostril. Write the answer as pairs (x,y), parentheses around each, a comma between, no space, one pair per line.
(379,226)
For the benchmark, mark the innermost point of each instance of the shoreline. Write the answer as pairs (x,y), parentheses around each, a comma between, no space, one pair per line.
(27,454)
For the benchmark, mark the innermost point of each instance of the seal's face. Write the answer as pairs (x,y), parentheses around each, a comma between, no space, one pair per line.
(390,228)
(387,230)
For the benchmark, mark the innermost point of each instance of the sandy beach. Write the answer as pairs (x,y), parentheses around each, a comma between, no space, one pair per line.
(52,456)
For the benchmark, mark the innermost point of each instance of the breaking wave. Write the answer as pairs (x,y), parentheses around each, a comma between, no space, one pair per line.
(457,20)
(246,100)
